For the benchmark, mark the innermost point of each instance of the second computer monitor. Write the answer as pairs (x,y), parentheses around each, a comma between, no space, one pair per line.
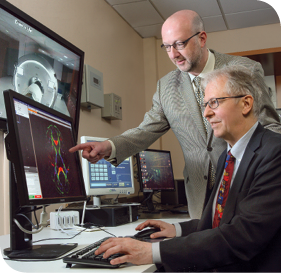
(103,178)
(155,170)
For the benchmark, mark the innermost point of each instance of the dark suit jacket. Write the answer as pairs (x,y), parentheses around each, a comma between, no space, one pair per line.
(249,235)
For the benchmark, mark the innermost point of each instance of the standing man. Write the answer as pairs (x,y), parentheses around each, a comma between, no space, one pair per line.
(176,106)
(240,229)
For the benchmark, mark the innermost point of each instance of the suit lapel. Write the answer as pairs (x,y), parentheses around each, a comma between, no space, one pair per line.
(187,93)
(207,217)
(239,179)
(236,186)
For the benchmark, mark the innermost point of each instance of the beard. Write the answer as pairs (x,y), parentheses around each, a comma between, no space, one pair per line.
(191,64)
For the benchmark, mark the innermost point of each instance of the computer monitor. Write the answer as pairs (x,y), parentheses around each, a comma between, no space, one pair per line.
(155,173)
(39,64)
(103,178)
(43,170)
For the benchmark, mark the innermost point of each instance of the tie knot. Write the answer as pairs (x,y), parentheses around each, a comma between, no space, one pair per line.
(197,82)
(230,157)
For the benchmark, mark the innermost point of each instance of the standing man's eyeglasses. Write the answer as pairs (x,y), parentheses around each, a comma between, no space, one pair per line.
(214,103)
(178,45)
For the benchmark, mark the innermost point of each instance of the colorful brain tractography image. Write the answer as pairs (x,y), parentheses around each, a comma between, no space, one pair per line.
(60,171)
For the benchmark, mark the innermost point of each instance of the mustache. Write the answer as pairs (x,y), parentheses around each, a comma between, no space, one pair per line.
(179,59)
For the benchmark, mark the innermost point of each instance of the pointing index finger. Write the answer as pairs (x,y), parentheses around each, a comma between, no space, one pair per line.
(78,147)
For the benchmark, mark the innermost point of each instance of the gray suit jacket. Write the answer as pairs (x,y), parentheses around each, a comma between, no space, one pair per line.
(249,235)
(175,107)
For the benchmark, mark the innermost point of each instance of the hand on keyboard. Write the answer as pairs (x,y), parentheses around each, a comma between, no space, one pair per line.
(133,251)
(86,256)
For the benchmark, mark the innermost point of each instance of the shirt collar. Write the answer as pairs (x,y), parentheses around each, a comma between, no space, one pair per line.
(209,66)
(239,147)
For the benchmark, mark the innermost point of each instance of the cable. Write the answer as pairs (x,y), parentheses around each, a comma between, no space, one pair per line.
(43,221)
(115,201)
(44,217)
(157,195)
(97,226)
(60,238)
(148,197)
(36,227)
(106,231)
(35,217)
(33,210)
(25,230)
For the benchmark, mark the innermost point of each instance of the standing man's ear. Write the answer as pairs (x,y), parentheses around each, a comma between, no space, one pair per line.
(203,38)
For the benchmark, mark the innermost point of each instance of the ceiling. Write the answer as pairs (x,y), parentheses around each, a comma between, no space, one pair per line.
(147,16)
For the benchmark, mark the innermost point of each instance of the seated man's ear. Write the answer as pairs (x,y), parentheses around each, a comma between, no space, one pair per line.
(248,102)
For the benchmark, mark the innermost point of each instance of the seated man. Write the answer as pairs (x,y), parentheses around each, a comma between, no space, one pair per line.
(239,231)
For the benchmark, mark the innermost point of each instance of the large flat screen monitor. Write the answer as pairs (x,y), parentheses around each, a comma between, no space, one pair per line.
(38,63)
(103,178)
(155,173)
(44,172)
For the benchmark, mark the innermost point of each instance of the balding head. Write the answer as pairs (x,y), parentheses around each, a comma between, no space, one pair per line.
(186,20)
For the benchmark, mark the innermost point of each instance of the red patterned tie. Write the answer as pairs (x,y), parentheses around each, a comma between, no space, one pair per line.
(224,189)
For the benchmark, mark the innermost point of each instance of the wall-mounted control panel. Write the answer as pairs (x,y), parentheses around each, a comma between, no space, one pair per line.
(92,89)
(112,107)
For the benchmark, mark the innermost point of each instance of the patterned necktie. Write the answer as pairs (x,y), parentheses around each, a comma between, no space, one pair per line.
(199,97)
(224,189)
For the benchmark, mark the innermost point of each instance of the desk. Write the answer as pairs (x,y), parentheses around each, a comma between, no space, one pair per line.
(85,238)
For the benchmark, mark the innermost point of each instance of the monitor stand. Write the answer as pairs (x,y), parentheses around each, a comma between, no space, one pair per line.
(149,203)
(43,252)
(21,243)
(96,203)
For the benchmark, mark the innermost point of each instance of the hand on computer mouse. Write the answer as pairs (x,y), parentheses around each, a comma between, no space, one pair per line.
(165,229)
(145,233)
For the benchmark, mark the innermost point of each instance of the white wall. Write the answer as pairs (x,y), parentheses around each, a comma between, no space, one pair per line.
(238,40)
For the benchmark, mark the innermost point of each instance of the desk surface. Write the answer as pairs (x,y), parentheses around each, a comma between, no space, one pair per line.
(84,239)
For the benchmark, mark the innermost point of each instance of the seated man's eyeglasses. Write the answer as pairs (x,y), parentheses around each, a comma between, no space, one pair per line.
(178,45)
(214,103)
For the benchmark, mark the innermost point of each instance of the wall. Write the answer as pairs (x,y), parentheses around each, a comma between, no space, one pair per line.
(150,77)
(253,38)
(111,46)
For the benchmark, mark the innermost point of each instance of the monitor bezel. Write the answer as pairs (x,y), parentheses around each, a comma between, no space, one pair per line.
(103,191)
(14,153)
(8,7)
(140,171)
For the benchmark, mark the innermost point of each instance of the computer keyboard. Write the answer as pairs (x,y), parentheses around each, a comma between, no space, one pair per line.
(86,256)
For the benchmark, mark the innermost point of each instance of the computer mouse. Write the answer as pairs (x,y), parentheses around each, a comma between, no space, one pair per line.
(145,233)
